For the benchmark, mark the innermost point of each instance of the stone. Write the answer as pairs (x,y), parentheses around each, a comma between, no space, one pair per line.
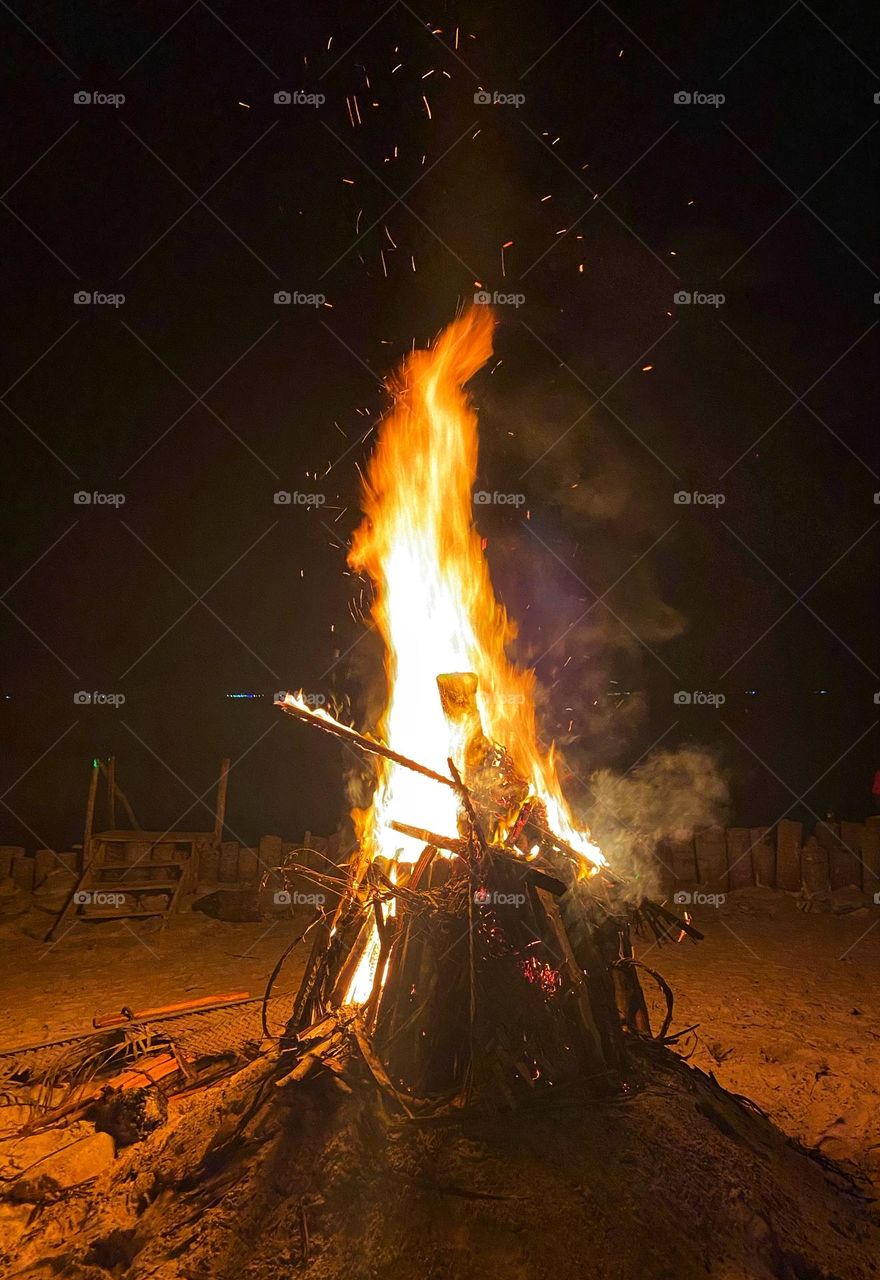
(739,858)
(23,873)
(13,902)
(680,856)
(763,857)
(55,890)
(788,854)
(271,851)
(9,855)
(843,864)
(814,866)
(852,838)
(271,854)
(248,866)
(44,865)
(228,867)
(208,856)
(154,901)
(870,851)
(711,850)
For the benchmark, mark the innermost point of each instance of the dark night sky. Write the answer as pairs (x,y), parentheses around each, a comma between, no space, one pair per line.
(198,209)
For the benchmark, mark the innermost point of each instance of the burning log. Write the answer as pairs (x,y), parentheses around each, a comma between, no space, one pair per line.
(451,844)
(322,720)
(514,971)
(479,964)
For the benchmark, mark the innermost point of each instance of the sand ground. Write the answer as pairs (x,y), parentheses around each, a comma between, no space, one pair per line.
(787,1002)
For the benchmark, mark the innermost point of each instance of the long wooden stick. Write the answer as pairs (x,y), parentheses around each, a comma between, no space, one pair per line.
(90,815)
(121,796)
(362,740)
(110,775)
(452,844)
(220,811)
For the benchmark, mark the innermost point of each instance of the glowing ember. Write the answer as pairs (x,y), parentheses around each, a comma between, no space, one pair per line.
(434,604)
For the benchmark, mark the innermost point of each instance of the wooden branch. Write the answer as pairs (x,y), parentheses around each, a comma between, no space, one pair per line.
(364,741)
(452,844)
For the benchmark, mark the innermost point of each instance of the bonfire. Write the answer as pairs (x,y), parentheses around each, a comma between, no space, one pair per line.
(468,1083)
(481,943)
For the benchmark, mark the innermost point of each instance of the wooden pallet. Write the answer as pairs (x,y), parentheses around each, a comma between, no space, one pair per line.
(122,872)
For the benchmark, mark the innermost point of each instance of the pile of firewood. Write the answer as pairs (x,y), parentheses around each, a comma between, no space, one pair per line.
(499,965)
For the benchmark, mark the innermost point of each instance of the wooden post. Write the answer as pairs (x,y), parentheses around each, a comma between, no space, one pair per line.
(222,785)
(90,814)
(111,793)
(121,796)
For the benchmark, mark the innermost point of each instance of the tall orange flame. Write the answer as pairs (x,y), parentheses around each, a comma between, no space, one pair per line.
(434,604)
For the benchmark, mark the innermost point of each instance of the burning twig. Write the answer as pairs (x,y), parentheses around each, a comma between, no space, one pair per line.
(362,740)
(451,844)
